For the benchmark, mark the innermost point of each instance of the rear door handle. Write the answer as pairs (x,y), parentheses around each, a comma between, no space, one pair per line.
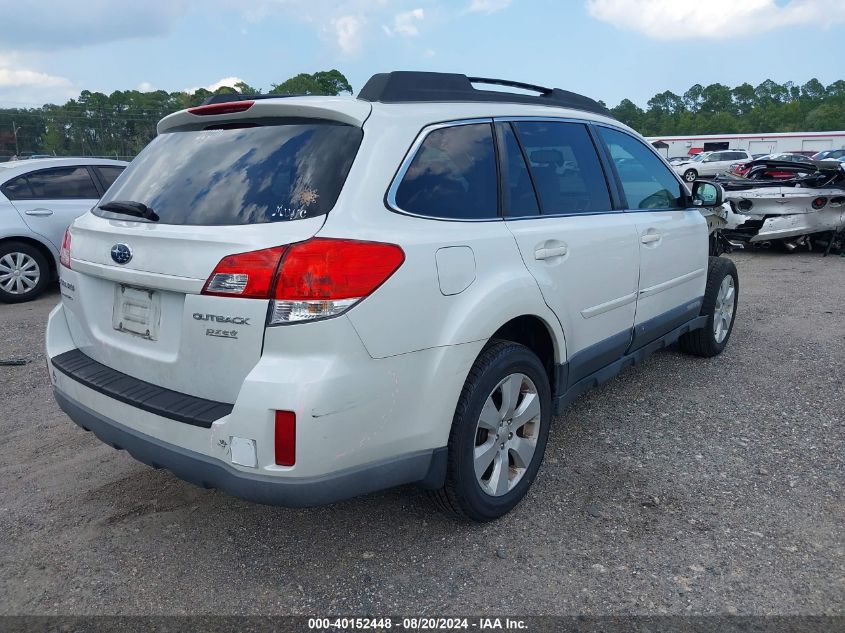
(650,238)
(547,253)
(40,213)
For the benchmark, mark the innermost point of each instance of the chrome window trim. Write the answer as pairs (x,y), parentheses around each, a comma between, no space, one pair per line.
(390,197)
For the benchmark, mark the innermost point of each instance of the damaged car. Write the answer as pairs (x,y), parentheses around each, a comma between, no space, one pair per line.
(807,206)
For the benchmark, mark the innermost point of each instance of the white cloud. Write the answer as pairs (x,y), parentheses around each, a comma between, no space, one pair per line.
(226,81)
(18,77)
(21,86)
(348,31)
(429,53)
(488,6)
(714,19)
(405,23)
(145,86)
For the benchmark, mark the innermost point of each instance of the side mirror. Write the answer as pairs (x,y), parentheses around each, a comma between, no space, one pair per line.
(707,194)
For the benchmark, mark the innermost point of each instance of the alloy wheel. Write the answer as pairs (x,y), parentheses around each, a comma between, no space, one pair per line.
(724,310)
(506,434)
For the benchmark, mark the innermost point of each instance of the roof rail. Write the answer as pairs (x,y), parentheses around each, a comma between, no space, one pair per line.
(409,87)
(228,97)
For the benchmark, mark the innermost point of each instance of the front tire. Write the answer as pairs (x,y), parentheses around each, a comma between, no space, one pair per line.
(690,175)
(24,272)
(498,435)
(720,300)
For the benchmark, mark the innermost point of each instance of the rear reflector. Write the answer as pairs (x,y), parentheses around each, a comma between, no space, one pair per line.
(285,438)
(229,107)
(64,253)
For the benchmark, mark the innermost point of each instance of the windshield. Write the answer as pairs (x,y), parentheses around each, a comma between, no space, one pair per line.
(699,157)
(245,175)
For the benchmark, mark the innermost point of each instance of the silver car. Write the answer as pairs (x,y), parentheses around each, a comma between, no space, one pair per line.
(38,200)
(709,164)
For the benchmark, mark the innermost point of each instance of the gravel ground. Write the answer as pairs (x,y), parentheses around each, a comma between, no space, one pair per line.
(685,486)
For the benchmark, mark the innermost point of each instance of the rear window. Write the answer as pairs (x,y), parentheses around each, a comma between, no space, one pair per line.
(245,175)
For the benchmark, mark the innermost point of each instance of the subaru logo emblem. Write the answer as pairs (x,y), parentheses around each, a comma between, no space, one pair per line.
(121,253)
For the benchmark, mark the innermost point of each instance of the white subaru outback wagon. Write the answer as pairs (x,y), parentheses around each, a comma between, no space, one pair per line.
(301,299)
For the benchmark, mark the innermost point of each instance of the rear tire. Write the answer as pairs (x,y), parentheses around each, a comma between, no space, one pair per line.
(720,300)
(24,273)
(498,434)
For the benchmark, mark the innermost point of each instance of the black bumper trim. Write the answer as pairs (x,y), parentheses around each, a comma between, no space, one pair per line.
(426,467)
(138,393)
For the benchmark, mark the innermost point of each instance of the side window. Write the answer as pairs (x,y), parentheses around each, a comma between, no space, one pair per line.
(565,167)
(518,199)
(453,175)
(646,181)
(17,189)
(62,183)
(108,174)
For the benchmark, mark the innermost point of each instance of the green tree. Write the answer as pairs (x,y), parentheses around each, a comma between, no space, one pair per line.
(245,89)
(629,113)
(667,102)
(331,82)
(744,98)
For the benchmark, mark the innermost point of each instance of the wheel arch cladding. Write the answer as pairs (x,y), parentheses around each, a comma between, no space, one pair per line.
(535,334)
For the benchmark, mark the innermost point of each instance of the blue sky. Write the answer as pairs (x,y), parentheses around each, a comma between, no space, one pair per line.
(607,49)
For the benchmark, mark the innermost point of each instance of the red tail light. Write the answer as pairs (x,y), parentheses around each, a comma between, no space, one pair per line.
(285,438)
(64,253)
(229,107)
(336,269)
(325,277)
(245,274)
(318,278)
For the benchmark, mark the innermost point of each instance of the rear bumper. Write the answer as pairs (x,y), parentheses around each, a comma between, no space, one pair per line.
(795,224)
(424,467)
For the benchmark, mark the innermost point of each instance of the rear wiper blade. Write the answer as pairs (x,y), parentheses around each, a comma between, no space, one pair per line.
(129,207)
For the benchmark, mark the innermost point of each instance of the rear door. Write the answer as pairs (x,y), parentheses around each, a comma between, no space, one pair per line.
(137,303)
(581,250)
(672,237)
(50,199)
(713,164)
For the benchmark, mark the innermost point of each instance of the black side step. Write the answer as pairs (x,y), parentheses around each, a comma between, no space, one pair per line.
(138,393)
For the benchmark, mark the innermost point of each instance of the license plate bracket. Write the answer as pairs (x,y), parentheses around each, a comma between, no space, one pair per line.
(137,311)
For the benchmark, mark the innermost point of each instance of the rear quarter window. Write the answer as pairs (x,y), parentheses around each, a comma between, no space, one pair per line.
(453,175)
(241,175)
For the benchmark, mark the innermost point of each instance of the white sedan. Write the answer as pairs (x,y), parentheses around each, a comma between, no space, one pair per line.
(38,200)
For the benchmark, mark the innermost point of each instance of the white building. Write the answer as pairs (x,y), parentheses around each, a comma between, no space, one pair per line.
(671,146)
